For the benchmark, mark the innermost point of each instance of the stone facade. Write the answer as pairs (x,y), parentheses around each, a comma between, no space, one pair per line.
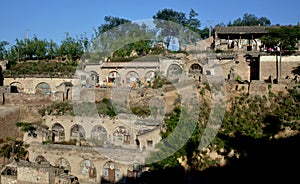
(99,141)
(24,172)
(8,117)
(30,85)
(129,74)
(268,66)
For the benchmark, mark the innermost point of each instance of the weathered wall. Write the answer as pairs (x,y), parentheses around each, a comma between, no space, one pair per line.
(95,95)
(110,124)
(98,157)
(33,175)
(8,118)
(8,180)
(268,66)
(258,88)
(240,68)
(28,85)
(26,99)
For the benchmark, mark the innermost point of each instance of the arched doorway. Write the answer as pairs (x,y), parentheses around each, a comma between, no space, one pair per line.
(111,172)
(43,88)
(99,135)
(64,164)
(149,76)
(77,132)
(58,133)
(88,170)
(195,71)
(95,76)
(114,78)
(18,86)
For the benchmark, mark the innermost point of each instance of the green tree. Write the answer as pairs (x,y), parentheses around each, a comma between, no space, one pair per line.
(118,37)
(20,49)
(40,48)
(170,23)
(250,20)
(286,37)
(3,50)
(52,49)
(12,56)
(71,47)
(174,26)
(204,33)
(194,25)
(110,22)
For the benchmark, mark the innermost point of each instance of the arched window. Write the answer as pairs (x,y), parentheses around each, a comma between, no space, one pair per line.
(196,68)
(174,70)
(95,76)
(99,135)
(77,132)
(150,75)
(43,88)
(58,132)
(132,77)
(88,169)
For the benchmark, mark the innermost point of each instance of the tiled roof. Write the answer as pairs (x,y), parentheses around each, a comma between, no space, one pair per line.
(241,30)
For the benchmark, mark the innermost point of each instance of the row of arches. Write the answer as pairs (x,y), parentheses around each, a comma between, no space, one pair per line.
(99,134)
(131,77)
(41,88)
(88,170)
(115,77)
(172,71)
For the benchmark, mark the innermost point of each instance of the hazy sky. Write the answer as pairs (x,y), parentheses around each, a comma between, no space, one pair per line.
(51,19)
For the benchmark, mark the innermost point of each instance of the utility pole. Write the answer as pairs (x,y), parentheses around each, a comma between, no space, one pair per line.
(209,21)
(280,60)
(26,43)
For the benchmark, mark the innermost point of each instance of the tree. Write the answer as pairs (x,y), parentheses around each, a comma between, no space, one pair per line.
(39,48)
(175,27)
(250,20)
(170,22)
(20,49)
(204,33)
(110,22)
(118,37)
(194,25)
(71,47)
(52,49)
(3,51)
(285,36)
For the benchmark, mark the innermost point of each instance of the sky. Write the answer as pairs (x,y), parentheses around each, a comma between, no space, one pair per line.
(51,19)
